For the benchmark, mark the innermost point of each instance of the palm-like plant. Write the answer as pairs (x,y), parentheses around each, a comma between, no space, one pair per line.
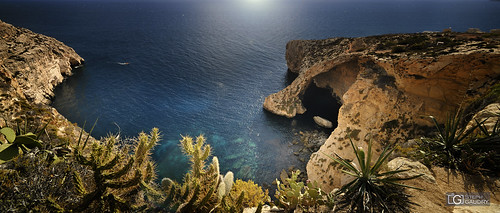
(371,189)
(450,140)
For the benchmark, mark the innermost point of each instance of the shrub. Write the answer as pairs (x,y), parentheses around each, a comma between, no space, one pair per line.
(398,49)
(253,193)
(372,189)
(472,149)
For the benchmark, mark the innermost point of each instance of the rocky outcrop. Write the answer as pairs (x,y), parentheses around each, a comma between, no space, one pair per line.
(385,84)
(31,65)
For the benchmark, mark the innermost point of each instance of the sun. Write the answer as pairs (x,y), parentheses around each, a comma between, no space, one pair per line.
(254,1)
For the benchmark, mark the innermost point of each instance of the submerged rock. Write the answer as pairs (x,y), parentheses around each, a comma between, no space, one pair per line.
(323,122)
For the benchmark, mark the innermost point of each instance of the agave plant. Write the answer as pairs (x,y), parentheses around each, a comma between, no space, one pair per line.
(446,147)
(372,188)
(466,148)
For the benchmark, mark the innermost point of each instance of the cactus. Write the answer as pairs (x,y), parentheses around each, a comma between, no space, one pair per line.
(228,181)
(293,194)
(17,143)
(117,174)
(225,185)
(203,188)
(200,189)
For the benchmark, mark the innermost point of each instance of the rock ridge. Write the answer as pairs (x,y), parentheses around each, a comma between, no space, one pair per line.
(385,84)
(31,65)
(37,63)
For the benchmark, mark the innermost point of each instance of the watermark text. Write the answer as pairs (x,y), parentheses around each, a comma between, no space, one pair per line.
(467,199)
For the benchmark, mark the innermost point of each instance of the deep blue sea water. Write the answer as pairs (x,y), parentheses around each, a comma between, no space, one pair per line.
(205,67)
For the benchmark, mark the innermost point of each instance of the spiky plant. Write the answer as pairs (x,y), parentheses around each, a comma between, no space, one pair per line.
(293,195)
(372,189)
(474,148)
(118,175)
(446,147)
(199,190)
(203,188)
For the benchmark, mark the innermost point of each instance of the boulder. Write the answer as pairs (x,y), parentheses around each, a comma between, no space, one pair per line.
(488,116)
(415,167)
(322,122)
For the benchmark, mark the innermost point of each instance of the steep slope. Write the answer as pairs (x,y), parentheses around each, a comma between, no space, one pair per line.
(31,65)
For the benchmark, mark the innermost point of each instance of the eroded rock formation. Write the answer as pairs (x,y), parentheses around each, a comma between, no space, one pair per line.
(385,84)
(31,65)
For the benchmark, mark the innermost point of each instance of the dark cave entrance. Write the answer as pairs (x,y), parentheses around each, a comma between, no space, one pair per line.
(320,102)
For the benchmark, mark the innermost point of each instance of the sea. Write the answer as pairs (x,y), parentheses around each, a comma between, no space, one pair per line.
(197,67)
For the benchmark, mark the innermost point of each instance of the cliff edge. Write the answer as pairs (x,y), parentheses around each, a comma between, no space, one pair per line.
(31,65)
(385,85)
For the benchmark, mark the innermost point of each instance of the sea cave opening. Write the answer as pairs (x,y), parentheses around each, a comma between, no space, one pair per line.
(320,102)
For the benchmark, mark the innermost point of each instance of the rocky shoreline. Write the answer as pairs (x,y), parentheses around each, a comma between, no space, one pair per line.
(31,66)
(386,85)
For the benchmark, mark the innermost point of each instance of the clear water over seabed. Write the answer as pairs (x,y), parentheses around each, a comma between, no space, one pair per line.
(205,67)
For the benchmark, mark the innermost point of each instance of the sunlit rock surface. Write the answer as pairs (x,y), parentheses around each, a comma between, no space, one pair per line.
(31,65)
(385,84)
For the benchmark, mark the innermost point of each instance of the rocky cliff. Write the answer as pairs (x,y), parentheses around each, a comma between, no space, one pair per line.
(31,65)
(385,84)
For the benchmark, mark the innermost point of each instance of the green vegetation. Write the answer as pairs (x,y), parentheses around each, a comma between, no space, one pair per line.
(198,192)
(204,189)
(253,194)
(293,195)
(113,174)
(474,148)
(117,175)
(17,142)
(372,189)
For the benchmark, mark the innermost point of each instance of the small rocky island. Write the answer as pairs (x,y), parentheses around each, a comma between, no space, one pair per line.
(387,85)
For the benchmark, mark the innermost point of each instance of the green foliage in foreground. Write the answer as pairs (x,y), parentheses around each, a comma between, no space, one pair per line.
(474,148)
(372,189)
(203,188)
(115,175)
(17,142)
(198,192)
(118,176)
(293,195)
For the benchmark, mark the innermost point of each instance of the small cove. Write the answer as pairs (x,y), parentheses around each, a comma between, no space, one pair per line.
(205,68)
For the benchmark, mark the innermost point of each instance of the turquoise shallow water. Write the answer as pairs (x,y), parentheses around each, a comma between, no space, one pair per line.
(205,67)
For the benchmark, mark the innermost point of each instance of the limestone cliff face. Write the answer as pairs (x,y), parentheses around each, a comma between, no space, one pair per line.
(385,83)
(31,65)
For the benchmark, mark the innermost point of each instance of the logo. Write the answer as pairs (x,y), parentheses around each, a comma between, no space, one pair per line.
(467,199)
